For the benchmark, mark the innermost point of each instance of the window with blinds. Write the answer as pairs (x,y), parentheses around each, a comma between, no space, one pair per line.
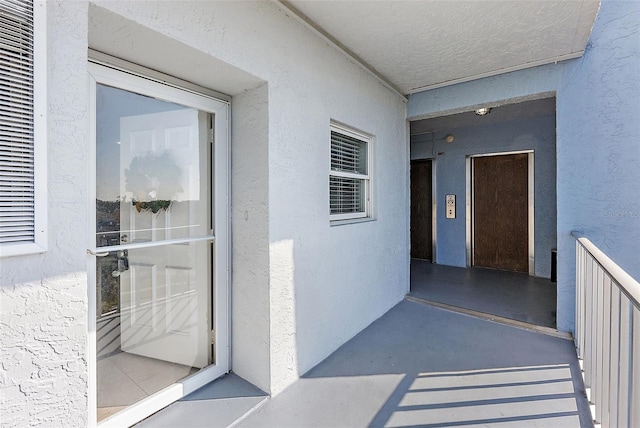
(349,180)
(17,170)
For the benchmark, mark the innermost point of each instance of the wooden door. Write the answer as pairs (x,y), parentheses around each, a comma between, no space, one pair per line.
(421,210)
(500,212)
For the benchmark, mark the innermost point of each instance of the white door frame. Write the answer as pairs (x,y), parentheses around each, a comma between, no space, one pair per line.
(112,73)
(469,217)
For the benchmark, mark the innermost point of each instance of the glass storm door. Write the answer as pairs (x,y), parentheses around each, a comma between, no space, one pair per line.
(163,186)
(156,206)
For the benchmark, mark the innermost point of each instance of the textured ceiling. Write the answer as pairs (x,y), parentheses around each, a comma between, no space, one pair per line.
(424,44)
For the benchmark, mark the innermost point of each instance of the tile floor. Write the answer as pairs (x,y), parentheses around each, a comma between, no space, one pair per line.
(124,379)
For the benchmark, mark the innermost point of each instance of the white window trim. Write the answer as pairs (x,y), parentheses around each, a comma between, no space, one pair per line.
(367,214)
(39,244)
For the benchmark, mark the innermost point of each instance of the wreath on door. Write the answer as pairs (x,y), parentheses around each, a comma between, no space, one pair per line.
(153,180)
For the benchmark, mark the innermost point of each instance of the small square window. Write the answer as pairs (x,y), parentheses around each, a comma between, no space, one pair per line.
(349,179)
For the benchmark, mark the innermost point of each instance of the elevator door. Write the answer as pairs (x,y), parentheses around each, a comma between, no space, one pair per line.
(500,212)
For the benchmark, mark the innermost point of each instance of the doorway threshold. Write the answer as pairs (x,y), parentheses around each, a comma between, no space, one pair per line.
(512,295)
(494,318)
(221,403)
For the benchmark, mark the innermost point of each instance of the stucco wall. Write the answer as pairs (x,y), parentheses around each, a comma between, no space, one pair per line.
(250,323)
(599,145)
(325,283)
(300,287)
(597,135)
(536,134)
(43,297)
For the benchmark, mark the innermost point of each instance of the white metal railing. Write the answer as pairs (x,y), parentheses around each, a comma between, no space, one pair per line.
(608,336)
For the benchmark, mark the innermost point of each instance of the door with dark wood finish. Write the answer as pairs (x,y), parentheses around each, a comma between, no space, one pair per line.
(421,210)
(500,212)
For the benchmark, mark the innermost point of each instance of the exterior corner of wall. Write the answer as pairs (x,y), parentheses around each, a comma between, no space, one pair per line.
(283,331)
(251,316)
(566,270)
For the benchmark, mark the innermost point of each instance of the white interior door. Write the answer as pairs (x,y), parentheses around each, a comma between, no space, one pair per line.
(165,290)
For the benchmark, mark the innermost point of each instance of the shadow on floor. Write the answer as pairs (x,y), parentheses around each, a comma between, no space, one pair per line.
(419,365)
(511,295)
(423,366)
(218,404)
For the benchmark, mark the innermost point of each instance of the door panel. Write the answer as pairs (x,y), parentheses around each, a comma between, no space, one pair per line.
(500,212)
(421,210)
(163,158)
(164,311)
(164,293)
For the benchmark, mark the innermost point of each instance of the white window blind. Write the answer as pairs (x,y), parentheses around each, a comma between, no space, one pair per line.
(349,175)
(17,195)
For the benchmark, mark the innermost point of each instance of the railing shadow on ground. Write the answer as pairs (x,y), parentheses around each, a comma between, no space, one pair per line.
(522,396)
(453,370)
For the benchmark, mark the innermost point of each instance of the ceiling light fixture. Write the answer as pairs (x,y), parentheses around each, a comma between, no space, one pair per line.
(483,111)
(449,138)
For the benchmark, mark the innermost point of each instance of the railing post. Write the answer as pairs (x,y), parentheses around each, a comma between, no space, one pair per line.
(580,302)
(614,358)
(606,350)
(599,345)
(634,375)
(624,386)
(588,327)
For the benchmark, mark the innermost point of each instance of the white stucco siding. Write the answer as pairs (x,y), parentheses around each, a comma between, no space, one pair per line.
(345,276)
(44,352)
(313,308)
(340,278)
(301,288)
(43,298)
(250,228)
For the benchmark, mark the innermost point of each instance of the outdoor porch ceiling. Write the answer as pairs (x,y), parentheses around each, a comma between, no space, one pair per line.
(426,44)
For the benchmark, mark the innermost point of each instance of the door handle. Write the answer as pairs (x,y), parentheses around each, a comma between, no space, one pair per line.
(123,263)
(93,253)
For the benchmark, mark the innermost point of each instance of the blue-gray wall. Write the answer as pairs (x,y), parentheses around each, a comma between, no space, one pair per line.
(598,139)
(537,134)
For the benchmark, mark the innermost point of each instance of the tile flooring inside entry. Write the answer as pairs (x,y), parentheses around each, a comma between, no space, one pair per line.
(124,379)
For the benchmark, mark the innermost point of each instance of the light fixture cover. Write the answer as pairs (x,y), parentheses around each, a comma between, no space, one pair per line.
(483,111)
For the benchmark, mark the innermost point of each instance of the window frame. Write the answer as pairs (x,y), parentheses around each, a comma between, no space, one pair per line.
(40,241)
(366,215)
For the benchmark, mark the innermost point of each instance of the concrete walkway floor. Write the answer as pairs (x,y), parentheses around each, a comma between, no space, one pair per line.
(422,366)
(512,295)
